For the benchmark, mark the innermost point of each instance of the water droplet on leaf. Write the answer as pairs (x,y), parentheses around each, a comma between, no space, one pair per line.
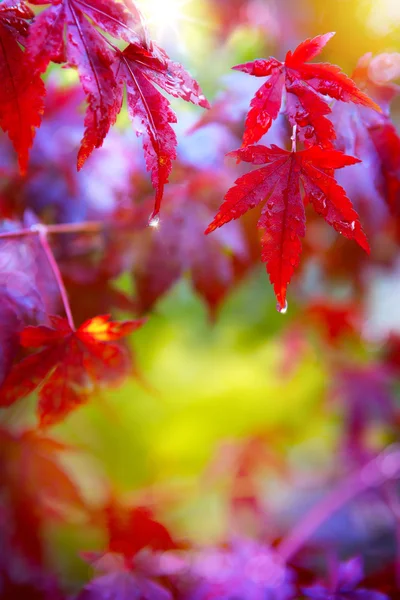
(155,222)
(282,309)
(264,119)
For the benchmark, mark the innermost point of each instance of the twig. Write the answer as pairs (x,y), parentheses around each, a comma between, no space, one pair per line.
(384,467)
(85,227)
(293,138)
(42,232)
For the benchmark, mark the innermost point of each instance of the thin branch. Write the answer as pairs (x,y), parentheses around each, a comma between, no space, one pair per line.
(85,227)
(42,233)
(384,467)
(293,138)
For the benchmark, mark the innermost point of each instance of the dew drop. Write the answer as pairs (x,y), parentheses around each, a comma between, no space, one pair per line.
(301,118)
(353,225)
(259,67)
(264,119)
(154,222)
(308,132)
(282,309)
(259,94)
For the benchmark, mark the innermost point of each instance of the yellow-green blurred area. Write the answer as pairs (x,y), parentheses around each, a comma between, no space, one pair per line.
(201,384)
(204,387)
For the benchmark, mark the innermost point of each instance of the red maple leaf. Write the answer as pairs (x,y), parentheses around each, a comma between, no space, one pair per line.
(21,91)
(139,69)
(63,33)
(69,365)
(304,84)
(104,70)
(283,215)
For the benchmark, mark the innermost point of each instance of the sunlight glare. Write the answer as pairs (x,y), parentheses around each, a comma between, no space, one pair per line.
(384,16)
(166,16)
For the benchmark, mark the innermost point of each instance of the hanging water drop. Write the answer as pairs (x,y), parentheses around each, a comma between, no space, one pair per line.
(155,222)
(282,309)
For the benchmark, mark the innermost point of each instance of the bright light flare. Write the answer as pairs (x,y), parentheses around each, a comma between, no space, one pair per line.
(384,16)
(165,16)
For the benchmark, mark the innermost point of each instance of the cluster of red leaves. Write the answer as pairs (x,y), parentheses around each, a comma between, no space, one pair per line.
(305,87)
(75,32)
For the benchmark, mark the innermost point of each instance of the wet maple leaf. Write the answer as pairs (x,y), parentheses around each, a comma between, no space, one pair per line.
(283,215)
(104,71)
(84,48)
(304,84)
(139,69)
(21,90)
(70,364)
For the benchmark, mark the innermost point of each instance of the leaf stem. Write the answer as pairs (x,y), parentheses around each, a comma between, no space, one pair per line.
(293,138)
(42,232)
(382,468)
(85,227)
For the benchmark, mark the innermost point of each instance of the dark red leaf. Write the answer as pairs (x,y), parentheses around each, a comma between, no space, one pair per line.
(166,253)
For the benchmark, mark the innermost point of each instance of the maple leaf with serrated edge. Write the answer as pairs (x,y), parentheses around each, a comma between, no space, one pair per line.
(139,69)
(21,90)
(84,48)
(69,365)
(104,70)
(283,215)
(304,84)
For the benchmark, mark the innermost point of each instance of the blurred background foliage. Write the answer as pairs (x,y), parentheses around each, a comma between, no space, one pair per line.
(168,437)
